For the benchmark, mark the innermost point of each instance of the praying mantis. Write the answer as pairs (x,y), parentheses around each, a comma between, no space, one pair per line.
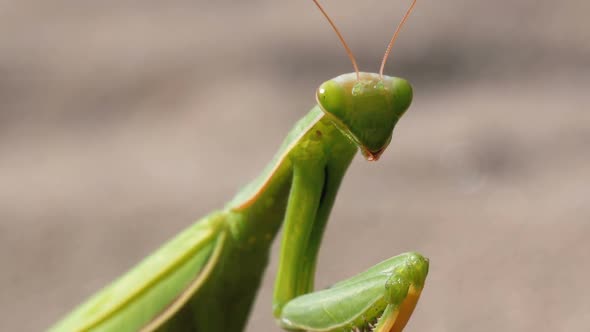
(206,278)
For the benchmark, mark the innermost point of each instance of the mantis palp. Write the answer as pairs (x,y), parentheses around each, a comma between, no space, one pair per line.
(205,279)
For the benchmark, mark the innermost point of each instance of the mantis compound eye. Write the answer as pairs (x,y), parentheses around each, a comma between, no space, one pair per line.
(365,110)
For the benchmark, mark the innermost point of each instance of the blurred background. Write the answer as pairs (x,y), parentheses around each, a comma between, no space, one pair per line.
(123,121)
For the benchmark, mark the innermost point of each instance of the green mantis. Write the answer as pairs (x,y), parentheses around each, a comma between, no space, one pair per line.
(206,278)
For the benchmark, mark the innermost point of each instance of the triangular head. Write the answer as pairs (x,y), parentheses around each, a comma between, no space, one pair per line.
(365,107)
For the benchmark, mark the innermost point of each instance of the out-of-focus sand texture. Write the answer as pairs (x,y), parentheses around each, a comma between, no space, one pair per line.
(123,121)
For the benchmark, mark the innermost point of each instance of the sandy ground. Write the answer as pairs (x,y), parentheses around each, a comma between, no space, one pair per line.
(123,121)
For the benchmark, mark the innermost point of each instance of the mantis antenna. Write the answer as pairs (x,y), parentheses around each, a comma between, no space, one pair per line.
(388,50)
(348,51)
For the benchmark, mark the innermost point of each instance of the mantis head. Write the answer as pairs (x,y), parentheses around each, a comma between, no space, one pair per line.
(365,107)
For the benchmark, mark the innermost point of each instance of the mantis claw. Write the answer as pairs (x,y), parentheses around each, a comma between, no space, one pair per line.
(403,291)
(380,299)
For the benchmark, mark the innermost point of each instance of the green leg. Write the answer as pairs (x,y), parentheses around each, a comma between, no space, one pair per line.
(334,173)
(302,208)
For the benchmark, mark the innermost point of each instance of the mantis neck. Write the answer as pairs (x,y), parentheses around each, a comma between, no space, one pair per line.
(313,139)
